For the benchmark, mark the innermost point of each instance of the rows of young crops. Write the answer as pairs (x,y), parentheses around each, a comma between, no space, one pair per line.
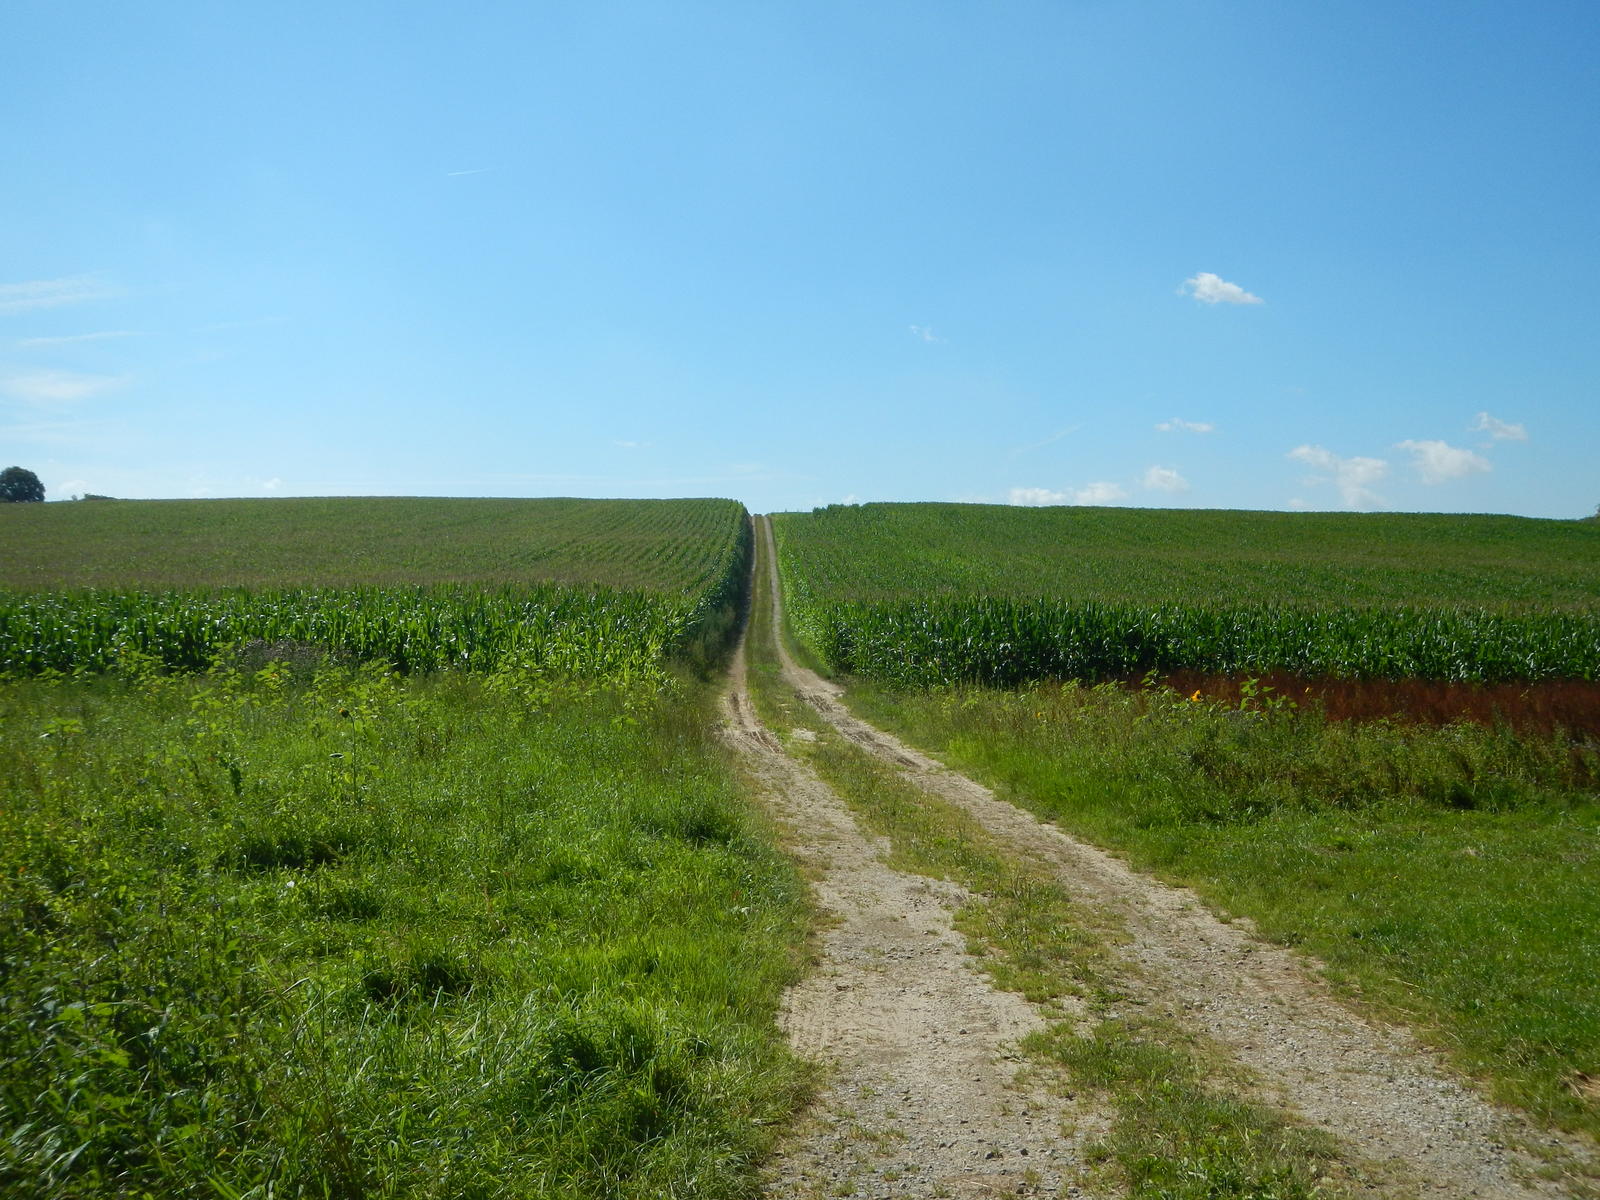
(1003,642)
(188,545)
(920,595)
(576,630)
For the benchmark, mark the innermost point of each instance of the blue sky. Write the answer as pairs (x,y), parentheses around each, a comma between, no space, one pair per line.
(1252,255)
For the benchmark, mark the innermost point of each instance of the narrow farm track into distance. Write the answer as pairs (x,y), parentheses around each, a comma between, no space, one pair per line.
(922,1098)
(1388,1101)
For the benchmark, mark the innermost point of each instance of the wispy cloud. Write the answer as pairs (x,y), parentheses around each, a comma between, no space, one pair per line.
(1213,289)
(56,387)
(923,333)
(53,431)
(52,293)
(473,171)
(1353,477)
(625,445)
(1042,443)
(1440,462)
(1179,425)
(38,343)
(1165,479)
(1500,431)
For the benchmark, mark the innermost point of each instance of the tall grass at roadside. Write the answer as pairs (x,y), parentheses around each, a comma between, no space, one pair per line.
(1447,874)
(336,933)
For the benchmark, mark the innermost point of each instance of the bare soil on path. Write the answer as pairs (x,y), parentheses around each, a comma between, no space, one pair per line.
(1388,1100)
(921,1097)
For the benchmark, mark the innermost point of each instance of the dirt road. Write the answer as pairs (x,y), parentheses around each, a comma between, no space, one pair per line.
(922,1102)
(921,1098)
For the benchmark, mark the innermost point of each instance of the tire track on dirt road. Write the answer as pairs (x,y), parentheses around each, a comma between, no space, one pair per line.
(1375,1088)
(921,1097)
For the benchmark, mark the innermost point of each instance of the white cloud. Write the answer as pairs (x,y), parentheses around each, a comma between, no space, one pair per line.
(40,342)
(56,387)
(272,485)
(1353,477)
(1100,493)
(1179,425)
(1094,493)
(1165,479)
(1440,462)
(1500,431)
(632,445)
(1212,289)
(1035,497)
(923,333)
(51,293)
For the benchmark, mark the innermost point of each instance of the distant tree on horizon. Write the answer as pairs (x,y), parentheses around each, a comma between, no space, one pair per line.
(18,485)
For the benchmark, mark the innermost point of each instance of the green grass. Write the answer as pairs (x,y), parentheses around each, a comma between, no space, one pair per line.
(1446,875)
(328,932)
(188,545)
(919,595)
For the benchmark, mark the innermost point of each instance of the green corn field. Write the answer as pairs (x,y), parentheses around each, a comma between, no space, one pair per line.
(920,595)
(636,582)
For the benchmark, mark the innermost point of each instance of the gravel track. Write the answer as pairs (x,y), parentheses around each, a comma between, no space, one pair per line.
(921,1097)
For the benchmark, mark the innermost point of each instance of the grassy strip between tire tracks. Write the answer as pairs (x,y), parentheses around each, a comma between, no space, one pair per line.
(340,934)
(1182,1128)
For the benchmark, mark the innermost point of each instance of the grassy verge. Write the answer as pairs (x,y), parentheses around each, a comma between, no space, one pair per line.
(344,935)
(1445,874)
(1181,1130)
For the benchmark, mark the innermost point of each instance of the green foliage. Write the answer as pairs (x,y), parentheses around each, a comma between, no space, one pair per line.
(340,933)
(1177,1138)
(1004,642)
(559,631)
(18,485)
(922,595)
(415,629)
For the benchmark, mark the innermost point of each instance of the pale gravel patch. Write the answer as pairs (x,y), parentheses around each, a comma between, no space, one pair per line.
(1387,1098)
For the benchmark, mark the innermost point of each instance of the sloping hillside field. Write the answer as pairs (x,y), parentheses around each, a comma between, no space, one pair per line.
(940,593)
(1444,869)
(277,919)
(592,586)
